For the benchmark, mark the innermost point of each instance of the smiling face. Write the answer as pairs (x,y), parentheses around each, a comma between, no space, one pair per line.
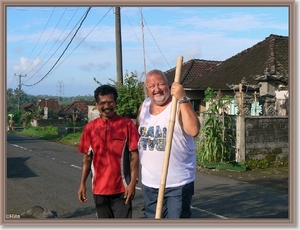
(157,87)
(106,105)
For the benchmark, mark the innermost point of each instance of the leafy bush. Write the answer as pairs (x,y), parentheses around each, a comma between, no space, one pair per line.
(51,129)
(17,114)
(71,139)
(28,116)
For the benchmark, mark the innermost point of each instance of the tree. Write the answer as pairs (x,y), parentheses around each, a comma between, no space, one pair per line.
(130,95)
(29,116)
(12,98)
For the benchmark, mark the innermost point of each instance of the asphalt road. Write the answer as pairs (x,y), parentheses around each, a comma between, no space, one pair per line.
(47,174)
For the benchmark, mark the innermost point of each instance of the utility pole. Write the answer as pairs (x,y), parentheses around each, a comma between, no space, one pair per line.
(142,24)
(145,72)
(241,99)
(118,45)
(19,90)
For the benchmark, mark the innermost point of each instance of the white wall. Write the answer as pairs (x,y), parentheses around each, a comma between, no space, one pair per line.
(92,112)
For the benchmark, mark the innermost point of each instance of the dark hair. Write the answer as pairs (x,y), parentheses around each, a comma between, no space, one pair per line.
(104,90)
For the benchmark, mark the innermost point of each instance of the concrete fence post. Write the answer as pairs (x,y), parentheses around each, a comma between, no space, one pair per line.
(240,139)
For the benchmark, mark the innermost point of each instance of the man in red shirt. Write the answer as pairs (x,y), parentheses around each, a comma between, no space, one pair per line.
(110,147)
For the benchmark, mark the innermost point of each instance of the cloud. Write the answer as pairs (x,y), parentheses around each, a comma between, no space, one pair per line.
(231,22)
(17,50)
(26,64)
(104,65)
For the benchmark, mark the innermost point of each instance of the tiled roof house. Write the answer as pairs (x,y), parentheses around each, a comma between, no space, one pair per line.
(271,54)
(52,104)
(29,106)
(79,107)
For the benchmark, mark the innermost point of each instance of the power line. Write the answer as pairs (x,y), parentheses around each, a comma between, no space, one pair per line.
(36,42)
(58,46)
(84,37)
(76,46)
(47,42)
(64,49)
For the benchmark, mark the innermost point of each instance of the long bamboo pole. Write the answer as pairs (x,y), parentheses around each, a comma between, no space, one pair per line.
(163,179)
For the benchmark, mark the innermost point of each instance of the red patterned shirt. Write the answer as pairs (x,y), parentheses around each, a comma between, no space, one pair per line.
(110,142)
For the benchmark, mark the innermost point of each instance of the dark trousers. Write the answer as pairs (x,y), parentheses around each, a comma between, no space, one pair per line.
(176,203)
(112,206)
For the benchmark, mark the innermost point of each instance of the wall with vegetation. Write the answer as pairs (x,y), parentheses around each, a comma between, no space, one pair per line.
(266,137)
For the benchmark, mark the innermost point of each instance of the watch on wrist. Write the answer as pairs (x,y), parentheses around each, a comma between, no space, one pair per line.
(184,100)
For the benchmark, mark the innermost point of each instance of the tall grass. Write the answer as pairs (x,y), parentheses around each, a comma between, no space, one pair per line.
(216,140)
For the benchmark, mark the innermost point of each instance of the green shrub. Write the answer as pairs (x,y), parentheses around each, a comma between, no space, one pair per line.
(257,164)
(71,139)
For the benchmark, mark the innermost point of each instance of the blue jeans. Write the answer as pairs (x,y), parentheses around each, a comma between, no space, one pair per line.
(176,203)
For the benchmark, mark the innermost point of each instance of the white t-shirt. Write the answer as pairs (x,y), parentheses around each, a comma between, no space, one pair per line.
(153,131)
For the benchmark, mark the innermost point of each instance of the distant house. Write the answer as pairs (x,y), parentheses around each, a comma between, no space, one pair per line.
(45,105)
(51,103)
(76,109)
(263,67)
(28,107)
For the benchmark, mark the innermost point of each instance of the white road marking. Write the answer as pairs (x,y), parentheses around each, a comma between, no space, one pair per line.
(75,166)
(210,213)
(18,146)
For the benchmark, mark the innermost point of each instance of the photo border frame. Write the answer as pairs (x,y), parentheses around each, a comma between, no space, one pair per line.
(162,222)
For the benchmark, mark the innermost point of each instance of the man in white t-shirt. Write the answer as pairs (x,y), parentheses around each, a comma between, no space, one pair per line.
(152,122)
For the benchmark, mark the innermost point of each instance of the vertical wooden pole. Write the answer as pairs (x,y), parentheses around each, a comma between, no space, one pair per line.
(163,180)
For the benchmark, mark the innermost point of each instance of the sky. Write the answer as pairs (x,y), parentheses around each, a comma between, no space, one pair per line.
(59,51)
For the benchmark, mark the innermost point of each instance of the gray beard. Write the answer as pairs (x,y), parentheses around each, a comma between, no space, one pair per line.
(163,99)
